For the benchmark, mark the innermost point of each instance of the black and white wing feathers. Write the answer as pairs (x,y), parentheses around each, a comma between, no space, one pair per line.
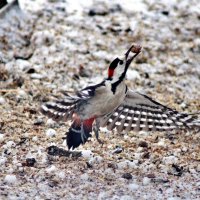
(60,110)
(139,112)
(63,110)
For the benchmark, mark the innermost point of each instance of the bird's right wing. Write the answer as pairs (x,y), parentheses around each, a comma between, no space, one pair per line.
(63,109)
(60,110)
(140,112)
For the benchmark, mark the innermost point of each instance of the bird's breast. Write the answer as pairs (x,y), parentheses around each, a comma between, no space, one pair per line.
(103,102)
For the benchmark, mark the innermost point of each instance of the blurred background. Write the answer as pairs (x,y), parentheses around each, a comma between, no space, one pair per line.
(49,46)
(50,42)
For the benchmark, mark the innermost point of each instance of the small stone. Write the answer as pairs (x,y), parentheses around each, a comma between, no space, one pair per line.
(2,100)
(112,165)
(61,175)
(3,160)
(87,153)
(37,76)
(165,12)
(146,181)
(35,138)
(1,137)
(50,132)
(10,144)
(38,122)
(84,177)
(127,176)
(21,93)
(30,162)
(146,155)
(126,197)
(118,150)
(96,159)
(151,175)
(10,179)
(170,160)
(162,143)
(178,171)
(123,164)
(143,144)
(23,64)
(51,169)
(133,187)
(30,71)
(51,123)
(198,168)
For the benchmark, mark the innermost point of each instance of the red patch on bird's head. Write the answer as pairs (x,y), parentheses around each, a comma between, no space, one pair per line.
(110,72)
(112,67)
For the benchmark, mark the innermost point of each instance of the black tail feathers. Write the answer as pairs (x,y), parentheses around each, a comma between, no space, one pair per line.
(78,134)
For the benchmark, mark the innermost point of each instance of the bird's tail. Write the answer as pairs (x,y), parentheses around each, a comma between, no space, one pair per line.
(79,132)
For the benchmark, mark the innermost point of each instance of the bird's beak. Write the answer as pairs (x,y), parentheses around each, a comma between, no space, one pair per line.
(136,49)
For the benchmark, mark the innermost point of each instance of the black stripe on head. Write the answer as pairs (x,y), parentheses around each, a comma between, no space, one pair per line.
(114,63)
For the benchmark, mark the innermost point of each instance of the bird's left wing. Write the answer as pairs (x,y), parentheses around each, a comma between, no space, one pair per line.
(140,112)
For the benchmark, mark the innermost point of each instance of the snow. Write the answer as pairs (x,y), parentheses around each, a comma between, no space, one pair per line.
(1,137)
(2,100)
(133,186)
(51,132)
(133,75)
(10,179)
(87,153)
(84,177)
(146,181)
(51,169)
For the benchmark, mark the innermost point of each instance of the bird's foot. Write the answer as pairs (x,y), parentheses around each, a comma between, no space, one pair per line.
(83,136)
(96,131)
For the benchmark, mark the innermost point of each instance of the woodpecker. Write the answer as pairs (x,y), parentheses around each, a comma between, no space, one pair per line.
(110,103)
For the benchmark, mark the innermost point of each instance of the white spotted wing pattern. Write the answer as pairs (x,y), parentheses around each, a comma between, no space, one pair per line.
(139,112)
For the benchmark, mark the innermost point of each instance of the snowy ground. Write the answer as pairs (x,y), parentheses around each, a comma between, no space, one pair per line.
(61,46)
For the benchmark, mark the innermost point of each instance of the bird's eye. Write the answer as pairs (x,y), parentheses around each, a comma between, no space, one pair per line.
(121,62)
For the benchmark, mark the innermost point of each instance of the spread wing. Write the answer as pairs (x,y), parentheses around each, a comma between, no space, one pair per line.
(60,110)
(140,112)
(63,109)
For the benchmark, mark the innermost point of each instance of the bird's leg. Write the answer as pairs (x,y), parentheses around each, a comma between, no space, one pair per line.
(96,131)
(83,137)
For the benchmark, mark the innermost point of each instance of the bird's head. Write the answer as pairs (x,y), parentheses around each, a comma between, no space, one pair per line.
(118,67)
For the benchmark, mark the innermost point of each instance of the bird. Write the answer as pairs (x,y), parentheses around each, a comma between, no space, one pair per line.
(112,104)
